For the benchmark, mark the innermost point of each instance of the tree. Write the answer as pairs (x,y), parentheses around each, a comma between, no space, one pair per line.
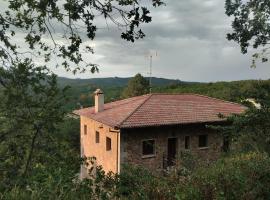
(31,103)
(137,86)
(75,22)
(31,106)
(251,25)
(250,130)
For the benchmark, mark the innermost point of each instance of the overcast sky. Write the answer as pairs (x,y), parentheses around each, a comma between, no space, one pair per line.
(190,39)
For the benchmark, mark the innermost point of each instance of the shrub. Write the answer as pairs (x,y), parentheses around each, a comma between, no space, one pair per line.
(244,176)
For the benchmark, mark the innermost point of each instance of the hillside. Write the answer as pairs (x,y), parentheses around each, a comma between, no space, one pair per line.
(113,81)
(81,90)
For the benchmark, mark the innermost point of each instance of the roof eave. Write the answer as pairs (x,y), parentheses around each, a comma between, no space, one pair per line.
(172,124)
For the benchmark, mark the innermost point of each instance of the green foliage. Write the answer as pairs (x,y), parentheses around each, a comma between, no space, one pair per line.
(53,168)
(36,20)
(231,91)
(137,86)
(241,176)
(236,91)
(112,88)
(138,183)
(30,109)
(250,131)
(250,25)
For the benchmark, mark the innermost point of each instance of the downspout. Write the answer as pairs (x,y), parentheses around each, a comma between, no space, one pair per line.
(118,152)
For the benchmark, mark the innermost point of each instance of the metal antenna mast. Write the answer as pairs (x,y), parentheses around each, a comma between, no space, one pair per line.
(150,75)
(150,68)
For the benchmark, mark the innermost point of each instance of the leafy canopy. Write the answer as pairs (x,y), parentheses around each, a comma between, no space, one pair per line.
(31,105)
(63,27)
(251,25)
(137,86)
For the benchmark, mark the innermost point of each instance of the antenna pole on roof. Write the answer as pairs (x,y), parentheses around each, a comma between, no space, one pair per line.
(150,75)
(150,70)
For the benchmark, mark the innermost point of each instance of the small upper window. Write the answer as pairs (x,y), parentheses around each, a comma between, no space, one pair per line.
(148,147)
(187,142)
(85,129)
(97,137)
(203,140)
(108,144)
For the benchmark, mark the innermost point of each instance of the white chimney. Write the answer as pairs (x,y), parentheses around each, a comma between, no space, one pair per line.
(99,101)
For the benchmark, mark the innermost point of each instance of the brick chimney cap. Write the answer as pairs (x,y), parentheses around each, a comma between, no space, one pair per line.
(98,91)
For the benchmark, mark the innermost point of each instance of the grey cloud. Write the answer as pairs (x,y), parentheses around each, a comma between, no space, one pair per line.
(190,38)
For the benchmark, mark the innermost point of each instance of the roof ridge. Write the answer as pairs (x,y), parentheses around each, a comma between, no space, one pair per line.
(148,97)
(123,101)
(200,95)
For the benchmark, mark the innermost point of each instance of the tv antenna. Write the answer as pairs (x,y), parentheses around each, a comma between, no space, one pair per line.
(151,55)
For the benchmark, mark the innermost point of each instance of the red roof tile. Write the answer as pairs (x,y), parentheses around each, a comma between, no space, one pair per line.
(162,109)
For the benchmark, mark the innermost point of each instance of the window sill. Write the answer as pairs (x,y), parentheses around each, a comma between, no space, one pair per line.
(149,156)
(203,148)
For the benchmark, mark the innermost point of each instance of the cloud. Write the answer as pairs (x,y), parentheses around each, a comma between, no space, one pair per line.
(190,38)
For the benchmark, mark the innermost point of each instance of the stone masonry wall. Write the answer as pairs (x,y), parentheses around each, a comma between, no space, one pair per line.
(131,144)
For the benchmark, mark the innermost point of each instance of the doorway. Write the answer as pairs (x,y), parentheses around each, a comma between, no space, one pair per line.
(172,149)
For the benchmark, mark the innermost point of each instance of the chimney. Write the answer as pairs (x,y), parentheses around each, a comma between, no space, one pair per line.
(99,101)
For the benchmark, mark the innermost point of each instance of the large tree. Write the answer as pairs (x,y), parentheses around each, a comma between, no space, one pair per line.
(137,86)
(251,26)
(31,104)
(251,29)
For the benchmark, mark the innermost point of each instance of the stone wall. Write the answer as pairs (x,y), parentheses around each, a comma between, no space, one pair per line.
(131,144)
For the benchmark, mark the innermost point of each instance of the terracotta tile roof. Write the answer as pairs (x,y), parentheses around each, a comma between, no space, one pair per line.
(162,109)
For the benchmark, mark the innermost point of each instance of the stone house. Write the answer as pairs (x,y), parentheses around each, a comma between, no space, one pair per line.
(150,130)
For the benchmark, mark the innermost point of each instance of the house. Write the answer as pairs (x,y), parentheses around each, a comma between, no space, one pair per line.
(150,130)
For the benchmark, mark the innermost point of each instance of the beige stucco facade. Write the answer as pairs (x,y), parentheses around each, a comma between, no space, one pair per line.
(108,159)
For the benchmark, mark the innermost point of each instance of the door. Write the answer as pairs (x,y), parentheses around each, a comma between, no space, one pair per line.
(172,149)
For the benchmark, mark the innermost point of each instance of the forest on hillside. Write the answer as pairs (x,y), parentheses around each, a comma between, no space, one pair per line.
(81,92)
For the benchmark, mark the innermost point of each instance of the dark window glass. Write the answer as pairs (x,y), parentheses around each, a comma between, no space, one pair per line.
(148,147)
(85,130)
(203,140)
(187,142)
(97,137)
(108,144)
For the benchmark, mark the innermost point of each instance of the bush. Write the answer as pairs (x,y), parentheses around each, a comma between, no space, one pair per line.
(244,176)
(241,176)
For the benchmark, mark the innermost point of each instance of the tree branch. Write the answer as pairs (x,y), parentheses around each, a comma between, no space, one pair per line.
(31,150)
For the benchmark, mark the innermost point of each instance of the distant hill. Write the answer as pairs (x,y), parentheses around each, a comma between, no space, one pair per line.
(81,90)
(113,81)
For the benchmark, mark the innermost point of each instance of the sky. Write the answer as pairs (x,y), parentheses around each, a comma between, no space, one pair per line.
(189,37)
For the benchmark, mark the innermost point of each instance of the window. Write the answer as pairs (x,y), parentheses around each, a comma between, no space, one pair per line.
(108,144)
(148,147)
(85,129)
(187,142)
(203,140)
(97,137)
